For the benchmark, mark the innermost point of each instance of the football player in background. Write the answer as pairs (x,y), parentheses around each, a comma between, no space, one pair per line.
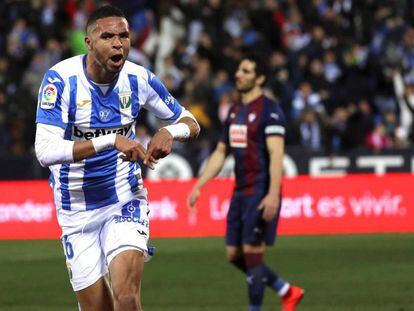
(254,134)
(87,108)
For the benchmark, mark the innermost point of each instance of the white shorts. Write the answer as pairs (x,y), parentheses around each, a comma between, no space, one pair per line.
(92,238)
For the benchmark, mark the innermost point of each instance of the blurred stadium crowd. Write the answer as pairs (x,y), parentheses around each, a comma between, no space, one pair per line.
(343,70)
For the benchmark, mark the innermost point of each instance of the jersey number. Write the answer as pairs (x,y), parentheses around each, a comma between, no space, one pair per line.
(68,247)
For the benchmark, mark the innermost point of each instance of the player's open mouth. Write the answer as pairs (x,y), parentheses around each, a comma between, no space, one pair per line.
(116,58)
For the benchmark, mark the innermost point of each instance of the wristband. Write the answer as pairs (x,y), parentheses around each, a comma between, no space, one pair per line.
(179,130)
(104,142)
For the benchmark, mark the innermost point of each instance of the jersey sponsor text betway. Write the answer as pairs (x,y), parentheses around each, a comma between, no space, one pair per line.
(80,133)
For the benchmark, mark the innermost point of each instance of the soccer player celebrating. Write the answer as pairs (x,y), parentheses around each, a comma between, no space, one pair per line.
(86,114)
(254,134)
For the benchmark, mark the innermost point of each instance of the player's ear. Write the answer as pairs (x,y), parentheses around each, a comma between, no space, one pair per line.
(260,80)
(88,43)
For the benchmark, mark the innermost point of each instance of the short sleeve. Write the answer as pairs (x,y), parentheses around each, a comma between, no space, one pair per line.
(274,120)
(51,103)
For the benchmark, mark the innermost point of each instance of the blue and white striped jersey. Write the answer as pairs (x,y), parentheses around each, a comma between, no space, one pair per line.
(69,100)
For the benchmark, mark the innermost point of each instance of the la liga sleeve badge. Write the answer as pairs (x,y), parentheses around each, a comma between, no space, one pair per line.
(49,97)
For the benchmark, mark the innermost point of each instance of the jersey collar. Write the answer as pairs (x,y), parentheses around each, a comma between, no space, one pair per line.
(93,84)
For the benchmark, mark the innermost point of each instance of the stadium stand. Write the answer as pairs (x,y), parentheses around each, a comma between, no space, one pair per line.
(341,69)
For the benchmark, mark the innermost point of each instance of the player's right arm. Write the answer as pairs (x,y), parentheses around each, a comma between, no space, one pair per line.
(51,147)
(214,165)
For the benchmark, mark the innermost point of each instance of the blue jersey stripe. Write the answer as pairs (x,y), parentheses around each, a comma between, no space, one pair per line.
(105,110)
(100,170)
(64,180)
(133,84)
(132,178)
(99,173)
(64,170)
(73,83)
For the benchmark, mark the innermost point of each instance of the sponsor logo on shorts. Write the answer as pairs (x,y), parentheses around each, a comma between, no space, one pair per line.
(141,232)
(131,209)
(131,212)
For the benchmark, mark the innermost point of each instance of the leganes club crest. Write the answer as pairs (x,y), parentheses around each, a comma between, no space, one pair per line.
(125,99)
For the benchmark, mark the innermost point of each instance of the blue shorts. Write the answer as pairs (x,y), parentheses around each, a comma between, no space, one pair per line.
(245,224)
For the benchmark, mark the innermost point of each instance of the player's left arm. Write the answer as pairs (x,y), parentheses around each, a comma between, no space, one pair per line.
(182,124)
(271,202)
(185,129)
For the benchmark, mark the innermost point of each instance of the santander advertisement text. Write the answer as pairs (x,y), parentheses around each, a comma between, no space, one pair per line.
(343,205)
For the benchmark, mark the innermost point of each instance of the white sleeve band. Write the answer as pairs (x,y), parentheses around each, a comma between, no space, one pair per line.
(50,146)
(104,142)
(185,113)
(178,130)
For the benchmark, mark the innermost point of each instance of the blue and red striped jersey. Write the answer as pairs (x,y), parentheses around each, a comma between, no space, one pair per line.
(245,132)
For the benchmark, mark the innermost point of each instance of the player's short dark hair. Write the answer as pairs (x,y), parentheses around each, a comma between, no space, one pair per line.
(102,12)
(261,68)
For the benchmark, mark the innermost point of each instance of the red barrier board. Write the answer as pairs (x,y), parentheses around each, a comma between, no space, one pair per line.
(27,210)
(351,204)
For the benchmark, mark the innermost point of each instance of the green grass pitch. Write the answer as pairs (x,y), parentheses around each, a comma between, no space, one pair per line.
(339,273)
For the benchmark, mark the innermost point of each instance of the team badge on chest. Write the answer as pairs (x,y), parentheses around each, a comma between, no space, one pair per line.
(125,99)
(251,117)
(238,135)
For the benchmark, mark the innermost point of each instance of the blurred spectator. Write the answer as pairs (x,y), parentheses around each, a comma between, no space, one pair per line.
(294,37)
(404,91)
(331,67)
(317,78)
(305,97)
(378,139)
(78,12)
(221,85)
(52,20)
(3,120)
(359,124)
(342,70)
(337,131)
(307,131)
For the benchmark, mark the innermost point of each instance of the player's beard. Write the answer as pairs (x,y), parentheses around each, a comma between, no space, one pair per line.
(116,66)
(243,89)
(105,62)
